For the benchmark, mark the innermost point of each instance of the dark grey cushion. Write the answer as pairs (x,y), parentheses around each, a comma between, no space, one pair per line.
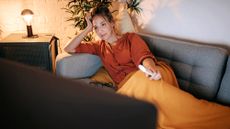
(198,68)
(223,95)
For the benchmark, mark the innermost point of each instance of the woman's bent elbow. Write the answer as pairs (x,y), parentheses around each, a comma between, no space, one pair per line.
(66,49)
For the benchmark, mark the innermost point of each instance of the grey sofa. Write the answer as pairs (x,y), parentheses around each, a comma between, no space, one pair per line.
(201,69)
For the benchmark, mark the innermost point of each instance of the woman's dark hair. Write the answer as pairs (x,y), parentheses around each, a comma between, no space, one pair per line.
(104,12)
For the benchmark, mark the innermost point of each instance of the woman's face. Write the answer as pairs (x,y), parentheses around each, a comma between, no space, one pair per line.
(103,27)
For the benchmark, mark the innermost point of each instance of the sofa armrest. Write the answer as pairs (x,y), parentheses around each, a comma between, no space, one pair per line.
(223,95)
(79,65)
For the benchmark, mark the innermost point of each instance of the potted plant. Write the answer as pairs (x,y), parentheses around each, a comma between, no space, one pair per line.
(133,6)
(78,9)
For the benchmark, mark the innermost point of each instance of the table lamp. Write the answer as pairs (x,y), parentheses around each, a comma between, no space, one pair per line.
(27,15)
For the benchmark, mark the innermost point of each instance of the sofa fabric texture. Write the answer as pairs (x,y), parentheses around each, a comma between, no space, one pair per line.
(200,68)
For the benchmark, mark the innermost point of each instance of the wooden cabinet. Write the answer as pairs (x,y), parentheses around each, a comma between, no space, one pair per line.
(40,52)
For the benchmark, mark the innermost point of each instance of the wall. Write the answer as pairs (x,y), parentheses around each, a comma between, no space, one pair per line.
(201,20)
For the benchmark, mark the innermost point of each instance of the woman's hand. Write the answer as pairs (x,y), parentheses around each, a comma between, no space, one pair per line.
(88,19)
(150,64)
(156,73)
(74,42)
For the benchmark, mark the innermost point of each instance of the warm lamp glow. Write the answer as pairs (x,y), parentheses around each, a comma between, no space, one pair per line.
(27,15)
(28,19)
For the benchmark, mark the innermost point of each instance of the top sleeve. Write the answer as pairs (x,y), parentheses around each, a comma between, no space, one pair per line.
(139,49)
(87,47)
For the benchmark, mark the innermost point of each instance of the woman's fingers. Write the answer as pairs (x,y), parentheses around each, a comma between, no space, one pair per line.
(155,76)
(88,15)
(158,76)
(88,18)
(152,73)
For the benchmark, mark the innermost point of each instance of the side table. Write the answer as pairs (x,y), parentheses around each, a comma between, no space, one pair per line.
(40,52)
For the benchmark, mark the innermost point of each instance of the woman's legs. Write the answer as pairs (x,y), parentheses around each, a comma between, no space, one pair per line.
(176,108)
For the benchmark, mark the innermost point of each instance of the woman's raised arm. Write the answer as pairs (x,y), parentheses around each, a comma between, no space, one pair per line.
(73,43)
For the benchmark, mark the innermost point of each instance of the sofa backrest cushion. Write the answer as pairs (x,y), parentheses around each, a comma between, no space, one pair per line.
(223,95)
(198,68)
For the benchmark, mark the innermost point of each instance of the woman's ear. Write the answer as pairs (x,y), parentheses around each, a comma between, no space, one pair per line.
(112,24)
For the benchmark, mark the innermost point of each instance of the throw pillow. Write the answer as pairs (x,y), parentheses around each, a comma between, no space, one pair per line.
(124,22)
(79,65)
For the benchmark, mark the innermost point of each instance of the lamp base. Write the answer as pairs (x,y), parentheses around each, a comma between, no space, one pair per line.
(33,36)
(30,32)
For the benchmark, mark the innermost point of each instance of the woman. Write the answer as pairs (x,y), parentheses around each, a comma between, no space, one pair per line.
(121,55)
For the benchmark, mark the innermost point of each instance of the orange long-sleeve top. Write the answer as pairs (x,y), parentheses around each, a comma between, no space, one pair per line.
(121,58)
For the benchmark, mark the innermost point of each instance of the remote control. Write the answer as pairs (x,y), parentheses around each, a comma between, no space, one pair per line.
(149,72)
